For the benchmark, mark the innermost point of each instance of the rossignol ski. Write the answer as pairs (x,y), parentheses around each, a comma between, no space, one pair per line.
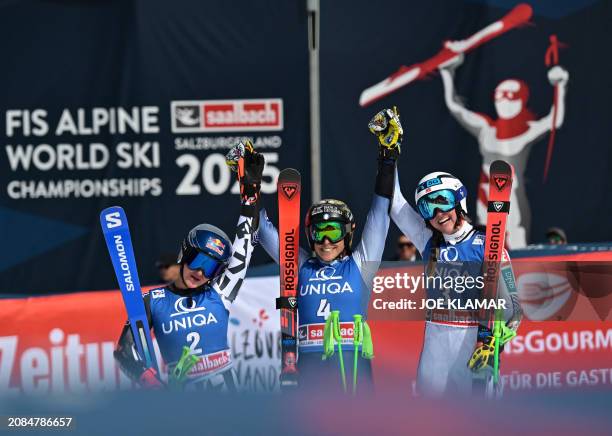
(117,235)
(289,189)
(500,187)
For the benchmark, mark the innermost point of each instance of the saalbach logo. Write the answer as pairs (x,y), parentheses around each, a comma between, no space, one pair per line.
(244,115)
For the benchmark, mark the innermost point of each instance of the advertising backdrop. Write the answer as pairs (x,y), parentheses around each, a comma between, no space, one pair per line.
(136,103)
(65,342)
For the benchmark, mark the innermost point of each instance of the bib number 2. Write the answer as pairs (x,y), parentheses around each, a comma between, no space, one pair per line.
(194,339)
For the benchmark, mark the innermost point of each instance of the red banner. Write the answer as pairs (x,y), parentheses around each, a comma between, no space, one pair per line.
(65,343)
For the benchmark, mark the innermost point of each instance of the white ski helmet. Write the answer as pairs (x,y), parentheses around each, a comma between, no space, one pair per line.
(438,181)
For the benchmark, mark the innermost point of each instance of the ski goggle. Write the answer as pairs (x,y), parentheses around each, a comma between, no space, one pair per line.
(332,230)
(509,95)
(444,200)
(209,266)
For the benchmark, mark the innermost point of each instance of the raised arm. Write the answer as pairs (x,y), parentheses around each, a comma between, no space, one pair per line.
(557,76)
(368,253)
(249,166)
(231,280)
(408,220)
(471,121)
(268,238)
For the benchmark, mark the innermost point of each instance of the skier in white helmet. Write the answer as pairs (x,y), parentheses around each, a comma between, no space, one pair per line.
(442,232)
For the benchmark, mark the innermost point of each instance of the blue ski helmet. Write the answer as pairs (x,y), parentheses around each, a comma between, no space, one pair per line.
(206,248)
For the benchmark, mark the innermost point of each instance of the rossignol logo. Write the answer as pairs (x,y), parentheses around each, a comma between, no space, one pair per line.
(292,301)
(289,189)
(500,182)
(498,205)
(194,116)
(494,257)
(290,262)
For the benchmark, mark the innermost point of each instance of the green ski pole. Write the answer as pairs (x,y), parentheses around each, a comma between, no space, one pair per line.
(502,334)
(497,339)
(179,373)
(338,337)
(357,338)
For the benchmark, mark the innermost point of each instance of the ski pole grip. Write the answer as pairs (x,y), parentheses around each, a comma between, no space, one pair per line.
(335,316)
(357,329)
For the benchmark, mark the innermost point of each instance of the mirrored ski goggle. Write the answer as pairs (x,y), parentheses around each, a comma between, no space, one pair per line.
(332,230)
(209,266)
(444,200)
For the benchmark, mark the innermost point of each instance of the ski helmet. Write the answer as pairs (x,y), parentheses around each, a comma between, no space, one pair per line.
(206,248)
(340,220)
(449,194)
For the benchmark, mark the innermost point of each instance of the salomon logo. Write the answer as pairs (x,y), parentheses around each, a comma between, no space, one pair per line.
(289,190)
(498,205)
(113,220)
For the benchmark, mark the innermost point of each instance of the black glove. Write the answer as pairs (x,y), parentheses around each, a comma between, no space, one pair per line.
(249,176)
(249,165)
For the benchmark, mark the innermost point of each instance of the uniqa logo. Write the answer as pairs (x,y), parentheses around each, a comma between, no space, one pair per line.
(324,274)
(186,305)
(449,254)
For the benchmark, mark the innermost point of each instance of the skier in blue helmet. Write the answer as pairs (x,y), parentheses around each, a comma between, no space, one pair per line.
(193,311)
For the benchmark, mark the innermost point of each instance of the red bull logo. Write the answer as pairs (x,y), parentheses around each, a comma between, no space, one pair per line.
(216,245)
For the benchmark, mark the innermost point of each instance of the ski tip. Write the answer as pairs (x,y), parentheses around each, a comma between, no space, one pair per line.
(524,10)
(289,175)
(501,167)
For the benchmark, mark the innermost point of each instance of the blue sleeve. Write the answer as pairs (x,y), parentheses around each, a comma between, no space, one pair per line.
(372,244)
(409,221)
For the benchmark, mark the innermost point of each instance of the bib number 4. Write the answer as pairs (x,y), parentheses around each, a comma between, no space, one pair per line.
(324,308)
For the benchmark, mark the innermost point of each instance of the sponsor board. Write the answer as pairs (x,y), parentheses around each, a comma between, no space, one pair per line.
(240,115)
(70,347)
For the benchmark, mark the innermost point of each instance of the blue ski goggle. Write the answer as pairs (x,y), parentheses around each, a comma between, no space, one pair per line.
(209,266)
(444,200)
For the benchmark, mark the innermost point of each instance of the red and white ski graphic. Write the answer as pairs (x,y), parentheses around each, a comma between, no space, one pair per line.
(406,74)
